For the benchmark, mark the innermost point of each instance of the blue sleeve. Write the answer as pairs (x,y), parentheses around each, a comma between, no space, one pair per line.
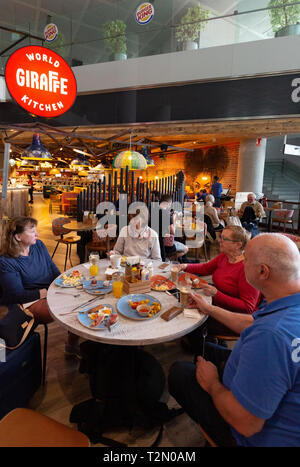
(54,268)
(264,373)
(12,288)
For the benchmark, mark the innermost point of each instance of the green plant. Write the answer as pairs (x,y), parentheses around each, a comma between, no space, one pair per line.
(189,28)
(114,36)
(285,16)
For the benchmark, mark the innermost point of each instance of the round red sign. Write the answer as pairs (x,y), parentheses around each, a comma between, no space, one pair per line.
(40,81)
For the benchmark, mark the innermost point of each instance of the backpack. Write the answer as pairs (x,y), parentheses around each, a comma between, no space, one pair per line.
(126,384)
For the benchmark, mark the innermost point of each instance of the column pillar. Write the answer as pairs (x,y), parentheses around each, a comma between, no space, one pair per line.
(251,165)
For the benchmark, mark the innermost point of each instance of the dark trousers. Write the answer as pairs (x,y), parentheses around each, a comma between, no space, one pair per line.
(30,191)
(198,404)
(217,203)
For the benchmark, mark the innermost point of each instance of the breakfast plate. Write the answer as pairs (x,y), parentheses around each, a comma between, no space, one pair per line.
(128,304)
(161,284)
(98,317)
(95,287)
(73,279)
(190,279)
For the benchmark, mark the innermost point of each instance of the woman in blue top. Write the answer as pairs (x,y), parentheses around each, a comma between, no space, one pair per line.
(27,270)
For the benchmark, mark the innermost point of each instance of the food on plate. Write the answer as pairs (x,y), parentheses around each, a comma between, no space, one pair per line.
(123,260)
(106,283)
(190,279)
(100,313)
(73,279)
(143,310)
(134,305)
(160,283)
(155,308)
(162,287)
(93,282)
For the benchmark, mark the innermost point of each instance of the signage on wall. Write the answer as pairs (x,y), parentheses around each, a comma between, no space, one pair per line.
(50,32)
(291,150)
(144,13)
(40,81)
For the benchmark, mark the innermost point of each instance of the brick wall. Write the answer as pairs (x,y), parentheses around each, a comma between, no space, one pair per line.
(175,163)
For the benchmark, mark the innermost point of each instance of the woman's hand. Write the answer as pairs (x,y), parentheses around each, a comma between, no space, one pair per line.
(209,290)
(201,303)
(182,267)
(110,253)
(43,293)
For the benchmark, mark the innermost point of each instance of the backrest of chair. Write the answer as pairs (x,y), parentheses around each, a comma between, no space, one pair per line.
(284,213)
(57,226)
(277,205)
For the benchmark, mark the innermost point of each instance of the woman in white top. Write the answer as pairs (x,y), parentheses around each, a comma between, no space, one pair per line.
(137,239)
(211,212)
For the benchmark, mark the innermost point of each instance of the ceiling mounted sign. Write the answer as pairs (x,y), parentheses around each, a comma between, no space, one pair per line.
(40,81)
(50,32)
(144,13)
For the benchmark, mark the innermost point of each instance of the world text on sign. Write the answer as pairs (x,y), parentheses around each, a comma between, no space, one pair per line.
(40,81)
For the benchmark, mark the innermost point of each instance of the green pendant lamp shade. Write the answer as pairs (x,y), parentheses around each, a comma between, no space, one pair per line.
(36,151)
(133,159)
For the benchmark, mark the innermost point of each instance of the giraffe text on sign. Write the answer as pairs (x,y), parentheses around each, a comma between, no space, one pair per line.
(40,81)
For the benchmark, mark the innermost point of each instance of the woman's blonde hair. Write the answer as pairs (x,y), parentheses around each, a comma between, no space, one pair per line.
(16,225)
(239,234)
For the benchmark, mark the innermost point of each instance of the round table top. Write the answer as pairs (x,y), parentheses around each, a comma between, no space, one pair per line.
(79,226)
(127,331)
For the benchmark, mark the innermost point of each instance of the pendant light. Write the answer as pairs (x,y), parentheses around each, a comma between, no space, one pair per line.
(36,151)
(131,159)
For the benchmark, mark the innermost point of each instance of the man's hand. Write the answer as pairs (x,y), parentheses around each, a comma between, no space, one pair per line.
(206,374)
(200,303)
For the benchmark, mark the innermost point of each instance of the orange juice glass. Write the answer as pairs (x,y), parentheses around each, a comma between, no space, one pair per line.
(93,270)
(117,289)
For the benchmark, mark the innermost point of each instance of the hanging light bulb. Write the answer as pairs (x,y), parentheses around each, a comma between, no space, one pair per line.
(36,151)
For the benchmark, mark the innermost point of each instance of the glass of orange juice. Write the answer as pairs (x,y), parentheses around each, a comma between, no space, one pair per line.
(93,258)
(117,285)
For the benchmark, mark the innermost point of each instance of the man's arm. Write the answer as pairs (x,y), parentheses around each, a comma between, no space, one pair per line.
(227,405)
(237,322)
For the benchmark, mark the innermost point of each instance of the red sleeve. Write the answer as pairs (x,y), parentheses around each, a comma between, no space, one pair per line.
(247,301)
(205,269)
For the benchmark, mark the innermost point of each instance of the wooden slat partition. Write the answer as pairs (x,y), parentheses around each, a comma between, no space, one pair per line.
(109,190)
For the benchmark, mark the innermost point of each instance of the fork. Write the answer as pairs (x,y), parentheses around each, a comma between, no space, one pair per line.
(204,334)
(70,295)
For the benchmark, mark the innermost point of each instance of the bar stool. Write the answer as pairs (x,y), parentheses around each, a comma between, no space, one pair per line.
(58,229)
(27,428)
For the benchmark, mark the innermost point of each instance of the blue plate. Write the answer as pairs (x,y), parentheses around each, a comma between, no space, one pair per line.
(98,289)
(86,321)
(125,309)
(59,281)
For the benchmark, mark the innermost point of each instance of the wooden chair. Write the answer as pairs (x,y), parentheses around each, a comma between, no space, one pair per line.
(226,337)
(55,204)
(102,246)
(59,230)
(207,438)
(197,244)
(284,216)
(27,428)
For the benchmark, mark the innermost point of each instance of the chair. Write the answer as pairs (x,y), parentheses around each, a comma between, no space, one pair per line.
(59,230)
(104,245)
(27,428)
(284,216)
(69,203)
(55,203)
(207,438)
(197,244)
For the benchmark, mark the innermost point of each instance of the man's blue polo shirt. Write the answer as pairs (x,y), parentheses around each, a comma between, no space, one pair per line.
(263,373)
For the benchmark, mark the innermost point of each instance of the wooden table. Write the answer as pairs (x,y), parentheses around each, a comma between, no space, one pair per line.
(127,332)
(74,225)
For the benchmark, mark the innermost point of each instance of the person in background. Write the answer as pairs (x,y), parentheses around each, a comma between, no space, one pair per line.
(250,396)
(137,239)
(255,211)
(201,195)
(216,190)
(211,212)
(26,272)
(30,191)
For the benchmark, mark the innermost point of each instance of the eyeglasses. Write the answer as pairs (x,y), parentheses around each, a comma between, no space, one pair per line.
(224,239)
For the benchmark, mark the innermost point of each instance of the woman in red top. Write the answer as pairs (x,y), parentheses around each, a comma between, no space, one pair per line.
(231,289)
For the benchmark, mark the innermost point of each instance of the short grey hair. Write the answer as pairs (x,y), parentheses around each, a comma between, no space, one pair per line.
(281,255)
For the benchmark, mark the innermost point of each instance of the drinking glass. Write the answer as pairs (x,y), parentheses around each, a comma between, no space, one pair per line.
(185,292)
(117,285)
(174,271)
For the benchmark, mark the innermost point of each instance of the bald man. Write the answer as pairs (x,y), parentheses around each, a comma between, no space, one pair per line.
(256,400)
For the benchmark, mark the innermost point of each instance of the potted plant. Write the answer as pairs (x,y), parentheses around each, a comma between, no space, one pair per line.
(284,21)
(190,26)
(115,38)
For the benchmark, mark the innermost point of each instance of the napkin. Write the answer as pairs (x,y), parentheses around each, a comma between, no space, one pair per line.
(111,271)
(131,260)
(191,313)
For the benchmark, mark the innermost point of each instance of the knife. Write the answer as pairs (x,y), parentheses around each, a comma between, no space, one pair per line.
(85,303)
